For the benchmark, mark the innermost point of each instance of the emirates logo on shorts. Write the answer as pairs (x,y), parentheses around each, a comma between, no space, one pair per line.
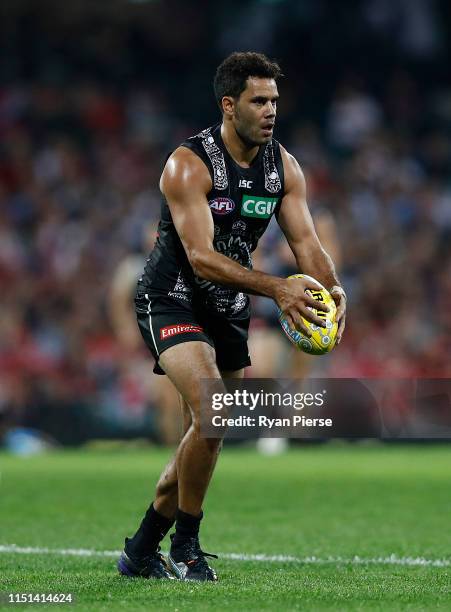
(182,328)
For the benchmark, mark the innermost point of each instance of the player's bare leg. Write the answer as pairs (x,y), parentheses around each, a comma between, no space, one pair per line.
(166,498)
(186,365)
(183,483)
(158,519)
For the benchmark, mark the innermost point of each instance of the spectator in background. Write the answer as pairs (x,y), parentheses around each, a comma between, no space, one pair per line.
(159,391)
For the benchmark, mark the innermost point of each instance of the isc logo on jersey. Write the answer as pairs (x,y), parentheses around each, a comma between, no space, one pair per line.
(222,206)
(258,206)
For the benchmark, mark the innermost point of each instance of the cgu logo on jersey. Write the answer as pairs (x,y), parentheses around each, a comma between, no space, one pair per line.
(258,206)
(222,206)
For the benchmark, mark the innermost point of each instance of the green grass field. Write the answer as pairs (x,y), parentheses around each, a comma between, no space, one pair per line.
(332,502)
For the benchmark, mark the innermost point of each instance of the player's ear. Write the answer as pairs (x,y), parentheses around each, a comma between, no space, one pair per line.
(228,105)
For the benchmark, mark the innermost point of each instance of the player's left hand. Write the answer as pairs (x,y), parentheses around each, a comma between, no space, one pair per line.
(339,297)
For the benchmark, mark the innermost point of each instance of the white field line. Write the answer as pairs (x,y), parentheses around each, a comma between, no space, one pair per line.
(355,560)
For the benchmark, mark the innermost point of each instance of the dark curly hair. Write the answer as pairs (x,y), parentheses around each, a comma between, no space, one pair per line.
(232,74)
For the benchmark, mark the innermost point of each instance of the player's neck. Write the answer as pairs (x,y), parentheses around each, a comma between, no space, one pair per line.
(240,152)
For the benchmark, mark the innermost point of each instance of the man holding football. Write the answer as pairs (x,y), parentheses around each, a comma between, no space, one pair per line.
(220,190)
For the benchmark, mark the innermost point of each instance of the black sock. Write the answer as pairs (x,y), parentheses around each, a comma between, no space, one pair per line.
(186,526)
(152,530)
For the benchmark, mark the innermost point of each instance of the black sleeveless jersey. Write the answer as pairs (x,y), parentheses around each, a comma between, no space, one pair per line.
(242,202)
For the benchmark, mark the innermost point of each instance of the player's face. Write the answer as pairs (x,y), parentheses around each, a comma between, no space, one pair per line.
(255,111)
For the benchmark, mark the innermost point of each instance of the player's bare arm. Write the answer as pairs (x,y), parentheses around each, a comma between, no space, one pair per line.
(185,183)
(296,223)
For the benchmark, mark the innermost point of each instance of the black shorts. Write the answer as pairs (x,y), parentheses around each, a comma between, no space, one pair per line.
(164,322)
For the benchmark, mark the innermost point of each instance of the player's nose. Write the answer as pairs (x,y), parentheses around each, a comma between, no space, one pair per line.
(270,110)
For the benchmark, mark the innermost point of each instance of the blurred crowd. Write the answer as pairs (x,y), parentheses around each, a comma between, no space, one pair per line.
(81,152)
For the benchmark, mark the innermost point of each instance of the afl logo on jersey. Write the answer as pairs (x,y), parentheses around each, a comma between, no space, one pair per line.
(222,206)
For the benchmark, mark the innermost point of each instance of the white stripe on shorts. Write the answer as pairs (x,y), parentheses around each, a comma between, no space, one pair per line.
(149,312)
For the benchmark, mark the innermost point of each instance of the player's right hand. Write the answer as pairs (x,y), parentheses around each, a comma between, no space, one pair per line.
(295,303)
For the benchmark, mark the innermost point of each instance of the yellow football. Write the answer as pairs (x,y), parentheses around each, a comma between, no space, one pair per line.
(322,339)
